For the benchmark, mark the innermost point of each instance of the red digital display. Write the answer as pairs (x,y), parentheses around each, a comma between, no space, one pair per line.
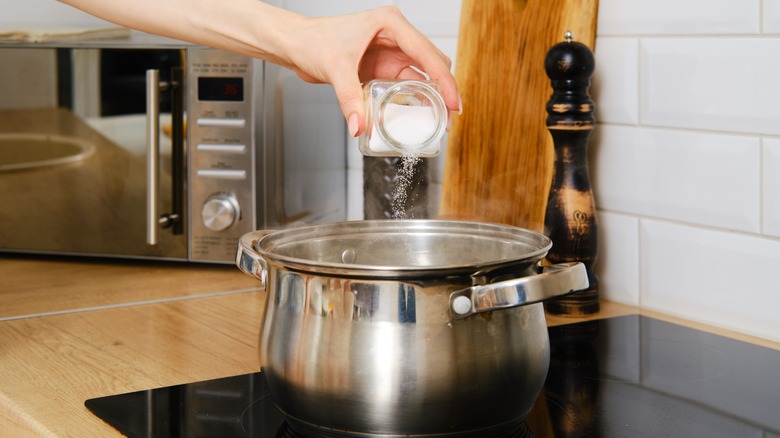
(221,89)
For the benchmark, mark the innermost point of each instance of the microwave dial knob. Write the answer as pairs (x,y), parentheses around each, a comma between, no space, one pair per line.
(220,212)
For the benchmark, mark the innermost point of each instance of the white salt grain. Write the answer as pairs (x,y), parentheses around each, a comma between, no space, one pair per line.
(403,182)
(410,126)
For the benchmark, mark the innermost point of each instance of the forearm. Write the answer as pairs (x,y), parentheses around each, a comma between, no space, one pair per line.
(250,27)
(342,50)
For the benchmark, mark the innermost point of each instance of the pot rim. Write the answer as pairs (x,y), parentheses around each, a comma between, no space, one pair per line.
(270,240)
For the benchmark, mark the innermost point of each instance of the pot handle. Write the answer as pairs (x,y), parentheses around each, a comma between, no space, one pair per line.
(248,260)
(553,281)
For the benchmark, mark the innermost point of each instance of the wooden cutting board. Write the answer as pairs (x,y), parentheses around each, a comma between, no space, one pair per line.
(499,158)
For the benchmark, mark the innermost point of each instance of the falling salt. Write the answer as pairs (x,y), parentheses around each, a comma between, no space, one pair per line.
(403,181)
(398,201)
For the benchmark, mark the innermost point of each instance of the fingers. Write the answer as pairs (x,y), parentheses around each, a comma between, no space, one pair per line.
(410,74)
(424,53)
(350,96)
(385,45)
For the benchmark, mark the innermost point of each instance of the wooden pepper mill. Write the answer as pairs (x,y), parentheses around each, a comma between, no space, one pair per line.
(570,219)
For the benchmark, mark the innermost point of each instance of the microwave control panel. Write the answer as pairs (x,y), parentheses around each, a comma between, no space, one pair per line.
(221,141)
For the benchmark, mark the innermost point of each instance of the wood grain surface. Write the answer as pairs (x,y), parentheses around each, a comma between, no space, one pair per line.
(499,158)
(50,365)
(34,285)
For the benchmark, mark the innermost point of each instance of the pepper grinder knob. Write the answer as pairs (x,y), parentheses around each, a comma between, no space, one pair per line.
(570,219)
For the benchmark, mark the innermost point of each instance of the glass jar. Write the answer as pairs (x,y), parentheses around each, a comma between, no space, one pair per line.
(403,118)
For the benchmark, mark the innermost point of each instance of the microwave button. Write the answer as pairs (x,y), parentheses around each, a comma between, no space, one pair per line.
(222,148)
(222,173)
(221,123)
(220,212)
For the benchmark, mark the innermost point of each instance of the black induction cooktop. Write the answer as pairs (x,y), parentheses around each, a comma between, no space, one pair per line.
(629,376)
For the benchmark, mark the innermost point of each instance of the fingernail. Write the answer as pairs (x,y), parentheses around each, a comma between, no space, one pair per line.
(352,124)
(460,106)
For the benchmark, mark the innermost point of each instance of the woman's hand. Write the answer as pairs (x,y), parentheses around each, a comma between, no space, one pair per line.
(346,50)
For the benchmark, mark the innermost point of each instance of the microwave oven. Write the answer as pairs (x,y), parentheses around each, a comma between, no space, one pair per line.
(145,147)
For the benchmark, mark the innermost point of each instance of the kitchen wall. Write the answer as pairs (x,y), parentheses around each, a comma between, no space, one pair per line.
(685,160)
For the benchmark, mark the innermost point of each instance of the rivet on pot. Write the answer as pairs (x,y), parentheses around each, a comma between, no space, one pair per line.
(461,305)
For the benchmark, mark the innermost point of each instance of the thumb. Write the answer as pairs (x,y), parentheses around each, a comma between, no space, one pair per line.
(350,96)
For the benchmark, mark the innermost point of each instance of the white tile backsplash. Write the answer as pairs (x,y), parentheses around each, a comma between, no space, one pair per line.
(716,277)
(330,7)
(354,157)
(674,17)
(355,209)
(696,177)
(719,84)
(710,83)
(771,186)
(615,88)
(36,13)
(771,16)
(434,18)
(698,165)
(618,257)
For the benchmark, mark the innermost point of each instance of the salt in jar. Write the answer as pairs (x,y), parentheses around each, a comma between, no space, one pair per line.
(403,118)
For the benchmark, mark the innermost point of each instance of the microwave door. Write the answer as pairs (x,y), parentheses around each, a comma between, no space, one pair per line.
(93,199)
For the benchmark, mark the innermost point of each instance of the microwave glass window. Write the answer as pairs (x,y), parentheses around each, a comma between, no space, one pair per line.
(221,89)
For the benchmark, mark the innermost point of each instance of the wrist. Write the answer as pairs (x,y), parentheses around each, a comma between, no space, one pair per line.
(271,30)
(249,27)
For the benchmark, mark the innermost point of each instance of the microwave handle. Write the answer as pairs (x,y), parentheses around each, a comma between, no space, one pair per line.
(153,218)
(152,153)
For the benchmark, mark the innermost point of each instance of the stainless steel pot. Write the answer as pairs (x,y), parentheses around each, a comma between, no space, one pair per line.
(405,327)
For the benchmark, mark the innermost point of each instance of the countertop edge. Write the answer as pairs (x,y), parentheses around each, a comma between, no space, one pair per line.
(16,422)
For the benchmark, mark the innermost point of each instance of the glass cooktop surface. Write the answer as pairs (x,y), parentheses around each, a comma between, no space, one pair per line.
(629,376)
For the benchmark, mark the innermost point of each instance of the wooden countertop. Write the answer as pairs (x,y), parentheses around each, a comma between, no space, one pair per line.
(74,329)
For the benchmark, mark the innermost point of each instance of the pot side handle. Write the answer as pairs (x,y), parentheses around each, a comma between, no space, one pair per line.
(248,260)
(553,281)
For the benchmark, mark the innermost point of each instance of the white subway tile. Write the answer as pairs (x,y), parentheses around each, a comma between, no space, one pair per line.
(771,186)
(355,209)
(771,16)
(615,80)
(618,258)
(37,13)
(432,17)
(717,84)
(354,157)
(724,279)
(674,17)
(701,178)
(331,7)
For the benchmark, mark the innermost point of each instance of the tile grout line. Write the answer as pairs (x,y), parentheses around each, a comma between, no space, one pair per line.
(129,304)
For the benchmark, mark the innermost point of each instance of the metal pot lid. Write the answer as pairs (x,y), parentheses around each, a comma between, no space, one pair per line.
(397,248)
